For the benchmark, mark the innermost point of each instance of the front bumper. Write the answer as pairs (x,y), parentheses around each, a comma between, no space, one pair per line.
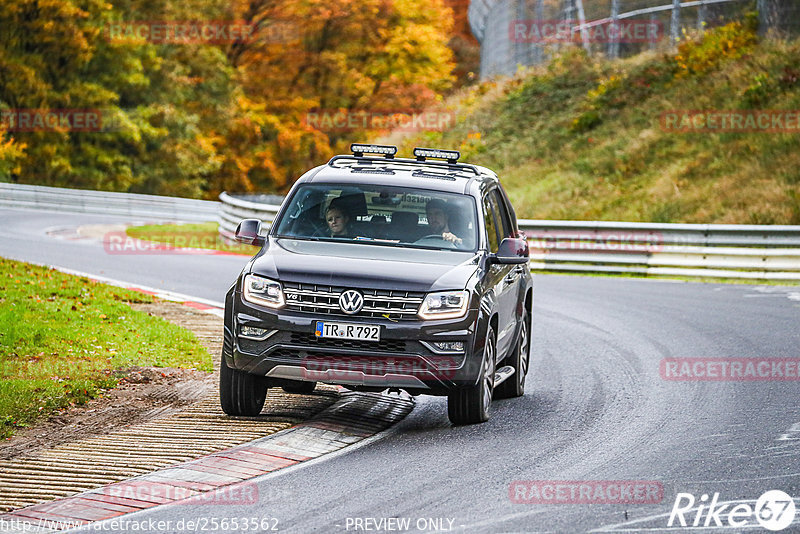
(404,358)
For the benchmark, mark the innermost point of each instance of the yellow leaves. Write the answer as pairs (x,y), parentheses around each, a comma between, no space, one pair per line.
(731,41)
(10,152)
(372,55)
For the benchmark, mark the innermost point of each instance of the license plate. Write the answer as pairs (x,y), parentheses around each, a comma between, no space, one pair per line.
(364,332)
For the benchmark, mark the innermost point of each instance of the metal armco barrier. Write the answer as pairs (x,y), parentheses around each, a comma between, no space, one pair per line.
(105,203)
(691,250)
(233,210)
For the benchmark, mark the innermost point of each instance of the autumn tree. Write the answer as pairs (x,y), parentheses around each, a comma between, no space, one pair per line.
(193,119)
(340,54)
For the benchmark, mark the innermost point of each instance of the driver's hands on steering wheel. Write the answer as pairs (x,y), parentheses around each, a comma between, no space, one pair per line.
(449,236)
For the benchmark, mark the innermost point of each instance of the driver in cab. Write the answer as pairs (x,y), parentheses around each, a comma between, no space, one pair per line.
(438,213)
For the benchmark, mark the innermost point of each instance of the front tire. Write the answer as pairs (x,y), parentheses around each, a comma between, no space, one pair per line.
(514,386)
(240,393)
(467,406)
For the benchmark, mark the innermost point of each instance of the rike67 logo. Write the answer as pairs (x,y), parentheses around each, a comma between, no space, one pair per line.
(774,510)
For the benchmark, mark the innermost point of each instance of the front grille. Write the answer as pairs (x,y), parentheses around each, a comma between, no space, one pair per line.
(312,341)
(378,303)
(296,342)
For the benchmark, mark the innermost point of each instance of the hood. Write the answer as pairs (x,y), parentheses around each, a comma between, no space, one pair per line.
(361,265)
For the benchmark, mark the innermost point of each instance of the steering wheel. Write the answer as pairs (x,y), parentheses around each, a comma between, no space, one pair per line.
(438,237)
(320,232)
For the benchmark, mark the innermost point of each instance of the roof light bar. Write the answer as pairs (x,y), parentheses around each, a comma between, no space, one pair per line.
(359,150)
(450,155)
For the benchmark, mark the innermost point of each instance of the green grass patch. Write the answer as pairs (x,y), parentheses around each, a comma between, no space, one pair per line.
(195,235)
(63,338)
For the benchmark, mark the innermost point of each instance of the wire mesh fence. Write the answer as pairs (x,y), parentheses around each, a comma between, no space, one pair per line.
(516,33)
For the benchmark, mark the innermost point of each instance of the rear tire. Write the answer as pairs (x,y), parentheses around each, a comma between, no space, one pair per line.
(240,393)
(514,386)
(299,387)
(467,406)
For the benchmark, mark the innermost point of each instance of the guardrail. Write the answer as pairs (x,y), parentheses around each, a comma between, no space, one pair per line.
(693,250)
(233,210)
(107,203)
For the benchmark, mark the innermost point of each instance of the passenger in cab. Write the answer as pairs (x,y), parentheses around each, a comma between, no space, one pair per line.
(438,213)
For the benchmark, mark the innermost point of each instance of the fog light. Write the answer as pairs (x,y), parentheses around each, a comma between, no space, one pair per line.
(251,332)
(449,346)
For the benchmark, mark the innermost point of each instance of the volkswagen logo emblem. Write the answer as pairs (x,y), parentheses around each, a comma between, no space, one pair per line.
(351,301)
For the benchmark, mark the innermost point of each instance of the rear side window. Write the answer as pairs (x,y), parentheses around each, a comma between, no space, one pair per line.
(490,220)
(501,213)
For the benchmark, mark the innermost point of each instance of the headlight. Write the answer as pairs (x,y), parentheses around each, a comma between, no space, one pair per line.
(263,291)
(444,305)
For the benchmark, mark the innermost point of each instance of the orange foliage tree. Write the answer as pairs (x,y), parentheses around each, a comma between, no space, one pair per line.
(373,55)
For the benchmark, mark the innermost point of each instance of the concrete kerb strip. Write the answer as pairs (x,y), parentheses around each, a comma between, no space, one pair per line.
(221,477)
(218,477)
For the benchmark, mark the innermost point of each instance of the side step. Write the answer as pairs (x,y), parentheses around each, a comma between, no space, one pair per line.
(502,374)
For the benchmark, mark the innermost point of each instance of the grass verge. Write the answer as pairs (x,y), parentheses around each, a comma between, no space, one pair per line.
(194,235)
(65,339)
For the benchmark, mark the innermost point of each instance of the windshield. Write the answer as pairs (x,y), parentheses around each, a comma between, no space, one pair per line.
(381,215)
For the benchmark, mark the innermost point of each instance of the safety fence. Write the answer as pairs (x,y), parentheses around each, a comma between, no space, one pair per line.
(59,199)
(233,210)
(691,250)
(516,33)
(768,252)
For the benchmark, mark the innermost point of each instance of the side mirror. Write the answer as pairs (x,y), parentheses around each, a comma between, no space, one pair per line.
(512,250)
(249,232)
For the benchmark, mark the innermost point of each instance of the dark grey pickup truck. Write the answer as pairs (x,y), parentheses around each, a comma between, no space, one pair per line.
(384,273)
